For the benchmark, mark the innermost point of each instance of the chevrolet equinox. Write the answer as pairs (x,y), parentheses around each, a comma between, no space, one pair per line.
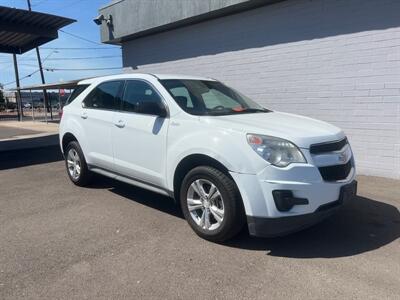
(227,161)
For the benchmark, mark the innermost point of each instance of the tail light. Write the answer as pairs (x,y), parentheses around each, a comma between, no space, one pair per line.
(60,113)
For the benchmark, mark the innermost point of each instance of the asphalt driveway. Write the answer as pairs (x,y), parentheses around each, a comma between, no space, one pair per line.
(111,241)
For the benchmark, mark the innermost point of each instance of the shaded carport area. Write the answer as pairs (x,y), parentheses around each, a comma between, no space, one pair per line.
(30,133)
(63,85)
(24,30)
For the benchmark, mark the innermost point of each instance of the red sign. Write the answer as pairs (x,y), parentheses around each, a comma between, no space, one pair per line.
(62,92)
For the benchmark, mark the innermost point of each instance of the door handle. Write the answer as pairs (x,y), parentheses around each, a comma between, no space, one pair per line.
(84,115)
(120,124)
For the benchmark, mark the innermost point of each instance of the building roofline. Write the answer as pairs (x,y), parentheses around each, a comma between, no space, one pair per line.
(115,37)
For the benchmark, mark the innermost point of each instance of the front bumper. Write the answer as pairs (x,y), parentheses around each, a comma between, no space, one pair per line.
(317,198)
(272,227)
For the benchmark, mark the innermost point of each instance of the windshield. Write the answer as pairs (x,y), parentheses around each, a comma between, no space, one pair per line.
(203,97)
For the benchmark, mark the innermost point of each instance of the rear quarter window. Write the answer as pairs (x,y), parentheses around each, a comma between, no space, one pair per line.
(105,95)
(77,91)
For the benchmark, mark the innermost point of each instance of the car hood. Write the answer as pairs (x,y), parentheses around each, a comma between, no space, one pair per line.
(302,131)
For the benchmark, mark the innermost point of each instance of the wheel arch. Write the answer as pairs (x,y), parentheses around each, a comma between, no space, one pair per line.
(66,139)
(191,161)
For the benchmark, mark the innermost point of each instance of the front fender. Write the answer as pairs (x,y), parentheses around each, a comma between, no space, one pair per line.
(229,148)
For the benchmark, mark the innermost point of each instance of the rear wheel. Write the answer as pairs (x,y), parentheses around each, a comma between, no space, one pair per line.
(76,165)
(211,204)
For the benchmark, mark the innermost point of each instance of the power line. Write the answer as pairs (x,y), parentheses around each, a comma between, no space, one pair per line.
(80,37)
(81,69)
(69,58)
(58,69)
(80,48)
(29,75)
(27,65)
(89,57)
(34,72)
(39,3)
(71,4)
(58,2)
(33,59)
(67,69)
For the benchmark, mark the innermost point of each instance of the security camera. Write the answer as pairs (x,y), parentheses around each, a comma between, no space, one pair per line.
(99,19)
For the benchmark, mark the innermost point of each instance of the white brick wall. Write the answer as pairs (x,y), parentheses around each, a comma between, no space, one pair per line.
(338,61)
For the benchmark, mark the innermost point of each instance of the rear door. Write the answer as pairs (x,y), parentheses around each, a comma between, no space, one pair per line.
(98,111)
(140,134)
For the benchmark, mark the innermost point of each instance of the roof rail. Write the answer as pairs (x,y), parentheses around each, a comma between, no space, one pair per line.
(153,75)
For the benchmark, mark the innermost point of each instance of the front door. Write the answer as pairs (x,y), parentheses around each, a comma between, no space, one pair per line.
(140,134)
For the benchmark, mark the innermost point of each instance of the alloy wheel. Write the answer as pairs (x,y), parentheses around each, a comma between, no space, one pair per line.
(73,164)
(205,204)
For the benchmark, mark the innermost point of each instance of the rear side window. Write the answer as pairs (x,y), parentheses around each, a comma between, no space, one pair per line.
(77,91)
(104,96)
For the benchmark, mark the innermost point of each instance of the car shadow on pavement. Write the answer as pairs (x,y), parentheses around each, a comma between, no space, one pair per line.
(26,157)
(138,195)
(361,226)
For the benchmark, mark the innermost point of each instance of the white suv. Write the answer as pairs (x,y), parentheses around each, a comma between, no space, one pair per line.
(227,160)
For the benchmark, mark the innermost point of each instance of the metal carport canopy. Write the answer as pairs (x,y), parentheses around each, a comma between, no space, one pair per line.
(52,86)
(70,84)
(23,30)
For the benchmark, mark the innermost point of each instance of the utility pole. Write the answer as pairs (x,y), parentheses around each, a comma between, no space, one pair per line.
(18,94)
(45,96)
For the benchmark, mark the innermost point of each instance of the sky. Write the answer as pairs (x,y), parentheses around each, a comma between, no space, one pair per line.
(104,56)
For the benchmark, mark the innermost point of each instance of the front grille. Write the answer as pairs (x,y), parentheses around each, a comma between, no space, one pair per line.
(337,172)
(328,147)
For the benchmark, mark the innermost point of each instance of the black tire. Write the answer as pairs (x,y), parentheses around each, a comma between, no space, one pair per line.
(85,175)
(234,216)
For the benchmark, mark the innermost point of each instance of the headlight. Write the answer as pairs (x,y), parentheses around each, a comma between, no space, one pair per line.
(276,151)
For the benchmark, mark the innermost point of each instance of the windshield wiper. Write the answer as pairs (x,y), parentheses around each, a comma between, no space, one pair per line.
(233,112)
(250,110)
(219,113)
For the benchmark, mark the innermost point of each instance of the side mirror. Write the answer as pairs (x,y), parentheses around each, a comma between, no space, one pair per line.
(162,111)
(152,108)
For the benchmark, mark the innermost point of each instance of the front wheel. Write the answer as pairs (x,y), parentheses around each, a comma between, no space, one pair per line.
(211,204)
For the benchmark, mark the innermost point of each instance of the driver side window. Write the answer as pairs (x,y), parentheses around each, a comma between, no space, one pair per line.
(141,98)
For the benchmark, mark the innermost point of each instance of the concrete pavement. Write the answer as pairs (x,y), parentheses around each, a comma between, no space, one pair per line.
(27,134)
(7,132)
(114,241)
